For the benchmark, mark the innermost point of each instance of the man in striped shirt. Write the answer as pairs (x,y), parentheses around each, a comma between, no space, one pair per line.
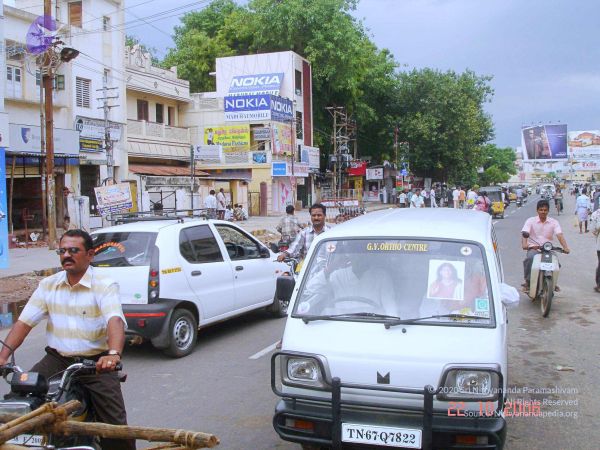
(84,320)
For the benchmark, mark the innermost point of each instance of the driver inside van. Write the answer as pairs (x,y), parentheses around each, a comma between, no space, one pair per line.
(350,282)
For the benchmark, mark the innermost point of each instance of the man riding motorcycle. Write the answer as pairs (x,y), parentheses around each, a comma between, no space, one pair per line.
(300,246)
(85,320)
(541,229)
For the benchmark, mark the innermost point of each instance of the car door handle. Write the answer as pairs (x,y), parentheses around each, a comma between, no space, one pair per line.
(238,268)
(195,273)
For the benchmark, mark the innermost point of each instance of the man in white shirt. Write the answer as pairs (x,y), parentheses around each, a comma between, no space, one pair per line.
(432,198)
(221,204)
(210,203)
(417,200)
(402,199)
(455,195)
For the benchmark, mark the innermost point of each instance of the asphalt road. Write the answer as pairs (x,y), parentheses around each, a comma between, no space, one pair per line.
(224,386)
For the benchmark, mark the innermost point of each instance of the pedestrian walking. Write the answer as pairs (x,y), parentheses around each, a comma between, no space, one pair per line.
(221,204)
(432,200)
(582,210)
(417,200)
(210,204)
(455,197)
(461,197)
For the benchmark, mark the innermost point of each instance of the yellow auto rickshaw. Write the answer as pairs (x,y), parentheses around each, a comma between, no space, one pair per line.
(494,194)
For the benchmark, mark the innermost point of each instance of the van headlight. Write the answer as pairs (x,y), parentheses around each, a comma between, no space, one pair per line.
(302,371)
(470,384)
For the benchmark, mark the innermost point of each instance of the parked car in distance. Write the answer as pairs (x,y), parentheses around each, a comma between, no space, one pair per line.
(178,275)
(398,318)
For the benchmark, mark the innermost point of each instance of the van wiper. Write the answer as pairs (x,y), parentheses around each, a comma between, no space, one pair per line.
(367,315)
(440,316)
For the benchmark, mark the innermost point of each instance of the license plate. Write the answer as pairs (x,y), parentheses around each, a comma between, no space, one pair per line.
(29,440)
(386,436)
(546,266)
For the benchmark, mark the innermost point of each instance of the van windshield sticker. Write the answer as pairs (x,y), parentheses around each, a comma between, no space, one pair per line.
(482,307)
(111,246)
(397,247)
(331,248)
(466,251)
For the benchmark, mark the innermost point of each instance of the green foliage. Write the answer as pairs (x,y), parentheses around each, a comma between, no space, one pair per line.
(440,114)
(498,164)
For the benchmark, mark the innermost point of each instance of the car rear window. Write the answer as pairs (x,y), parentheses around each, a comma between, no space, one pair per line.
(123,249)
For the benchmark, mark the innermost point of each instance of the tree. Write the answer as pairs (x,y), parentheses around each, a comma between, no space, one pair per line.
(498,164)
(441,116)
(347,68)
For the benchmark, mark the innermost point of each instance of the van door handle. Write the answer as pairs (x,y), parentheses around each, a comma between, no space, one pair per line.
(238,268)
(195,273)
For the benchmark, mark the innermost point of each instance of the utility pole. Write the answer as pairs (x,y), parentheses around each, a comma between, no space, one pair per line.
(43,154)
(47,79)
(108,146)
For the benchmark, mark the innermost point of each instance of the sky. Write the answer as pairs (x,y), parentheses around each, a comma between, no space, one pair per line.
(543,55)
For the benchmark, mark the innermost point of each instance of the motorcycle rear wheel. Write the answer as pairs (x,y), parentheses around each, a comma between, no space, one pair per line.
(547,295)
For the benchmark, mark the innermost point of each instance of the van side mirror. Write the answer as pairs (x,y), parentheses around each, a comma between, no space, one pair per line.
(525,234)
(264,252)
(509,295)
(285,287)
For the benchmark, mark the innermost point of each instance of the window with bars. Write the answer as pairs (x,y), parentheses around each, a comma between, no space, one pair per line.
(75,14)
(83,88)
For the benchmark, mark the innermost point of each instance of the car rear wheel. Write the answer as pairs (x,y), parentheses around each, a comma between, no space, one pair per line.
(279,308)
(183,331)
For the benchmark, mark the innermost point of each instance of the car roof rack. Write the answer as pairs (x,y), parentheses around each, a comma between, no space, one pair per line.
(179,215)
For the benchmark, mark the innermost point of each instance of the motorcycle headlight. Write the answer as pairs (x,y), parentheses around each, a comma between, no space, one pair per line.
(302,371)
(547,246)
(470,384)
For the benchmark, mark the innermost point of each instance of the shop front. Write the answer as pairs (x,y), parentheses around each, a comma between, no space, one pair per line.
(25,172)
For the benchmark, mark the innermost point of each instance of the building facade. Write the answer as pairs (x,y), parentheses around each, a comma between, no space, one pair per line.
(255,128)
(80,91)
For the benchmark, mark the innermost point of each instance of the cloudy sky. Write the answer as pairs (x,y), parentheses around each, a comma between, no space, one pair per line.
(544,56)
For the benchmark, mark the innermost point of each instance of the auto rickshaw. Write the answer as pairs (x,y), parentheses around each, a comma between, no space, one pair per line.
(494,193)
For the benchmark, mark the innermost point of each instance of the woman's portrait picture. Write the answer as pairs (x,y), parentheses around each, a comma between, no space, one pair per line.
(446,279)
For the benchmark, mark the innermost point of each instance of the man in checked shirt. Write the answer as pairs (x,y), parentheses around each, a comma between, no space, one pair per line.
(84,321)
(300,246)
(289,226)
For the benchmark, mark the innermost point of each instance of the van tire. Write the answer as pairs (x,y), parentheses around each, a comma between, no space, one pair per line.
(183,331)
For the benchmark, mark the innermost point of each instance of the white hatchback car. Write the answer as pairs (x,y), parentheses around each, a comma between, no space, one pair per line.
(178,275)
(396,335)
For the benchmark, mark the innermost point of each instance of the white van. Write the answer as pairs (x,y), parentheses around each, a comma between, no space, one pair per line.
(396,335)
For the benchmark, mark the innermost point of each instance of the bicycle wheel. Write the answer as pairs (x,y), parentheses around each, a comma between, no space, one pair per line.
(547,295)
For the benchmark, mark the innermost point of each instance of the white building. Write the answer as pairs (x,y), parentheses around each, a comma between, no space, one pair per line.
(261,115)
(158,147)
(91,27)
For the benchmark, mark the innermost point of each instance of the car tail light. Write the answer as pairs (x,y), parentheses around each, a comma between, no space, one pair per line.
(153,276)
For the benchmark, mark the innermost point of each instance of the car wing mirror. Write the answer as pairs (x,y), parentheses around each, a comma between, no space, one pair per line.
(285,287)
(509,295)
(264,252)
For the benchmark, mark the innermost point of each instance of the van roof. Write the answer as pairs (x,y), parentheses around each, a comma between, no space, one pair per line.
(150,226)
(444,223)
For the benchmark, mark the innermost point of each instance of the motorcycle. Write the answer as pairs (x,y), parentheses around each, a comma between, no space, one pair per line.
(519,202)
(30,390)
(544,275)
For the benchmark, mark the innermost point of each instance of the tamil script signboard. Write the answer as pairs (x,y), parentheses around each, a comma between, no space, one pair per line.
(233,138)
(114,198)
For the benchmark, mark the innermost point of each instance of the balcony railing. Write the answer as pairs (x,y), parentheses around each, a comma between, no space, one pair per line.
(157,131)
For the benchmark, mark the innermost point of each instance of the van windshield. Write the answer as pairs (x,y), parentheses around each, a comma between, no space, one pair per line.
(123,249)
(384,280)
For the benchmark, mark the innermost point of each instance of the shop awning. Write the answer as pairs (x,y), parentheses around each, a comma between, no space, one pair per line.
(164,171)
(154,150)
